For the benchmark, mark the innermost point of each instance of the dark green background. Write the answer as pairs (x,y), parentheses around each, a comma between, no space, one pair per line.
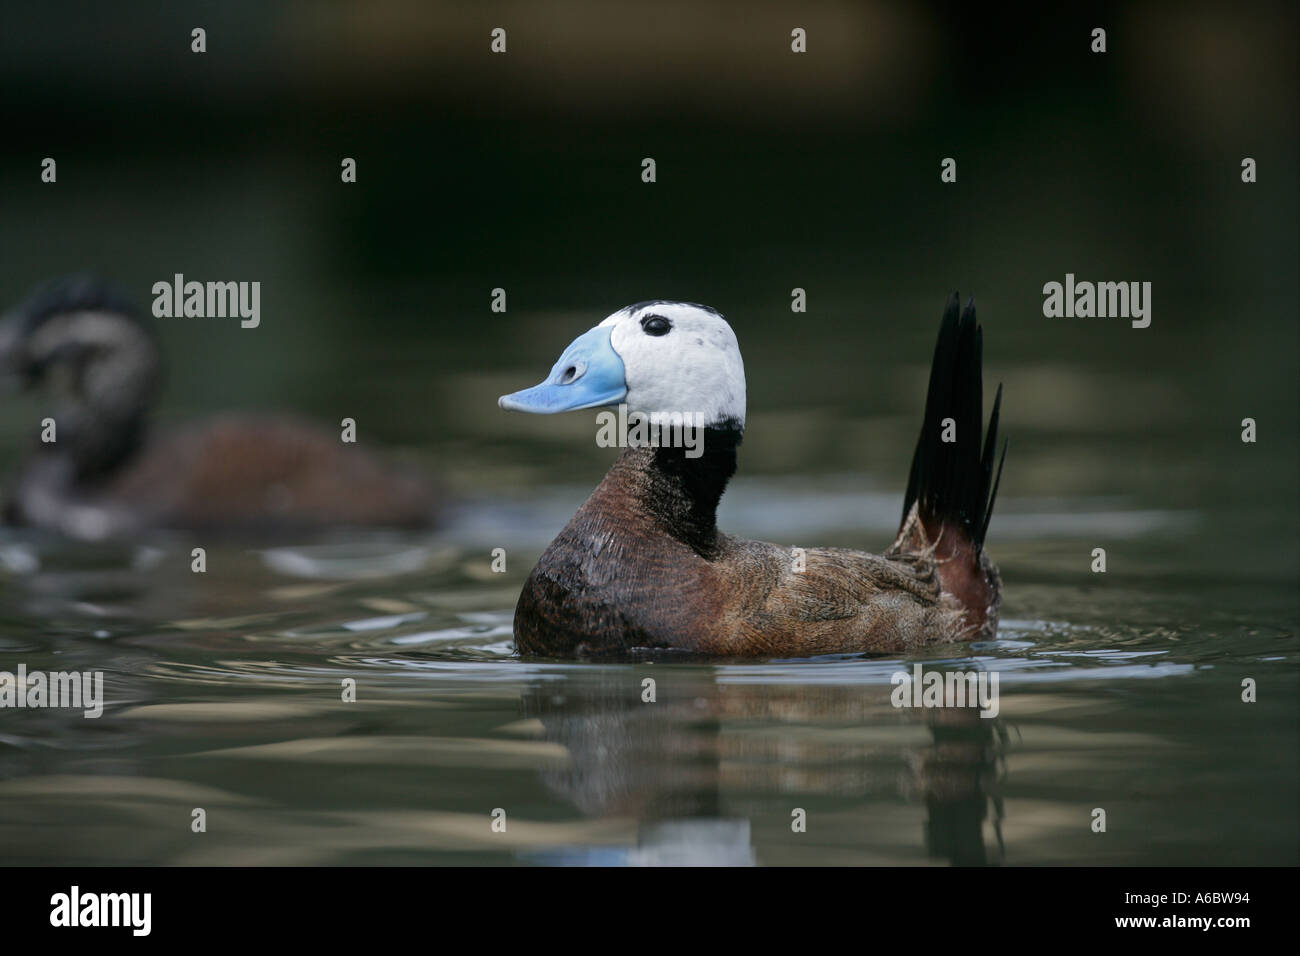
(775,171)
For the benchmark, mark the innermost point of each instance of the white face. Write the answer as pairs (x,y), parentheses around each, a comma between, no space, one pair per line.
(693,367)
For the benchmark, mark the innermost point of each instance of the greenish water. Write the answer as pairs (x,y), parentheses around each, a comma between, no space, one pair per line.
(1120,691)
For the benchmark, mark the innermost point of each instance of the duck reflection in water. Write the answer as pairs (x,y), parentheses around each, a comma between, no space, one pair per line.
(714,768)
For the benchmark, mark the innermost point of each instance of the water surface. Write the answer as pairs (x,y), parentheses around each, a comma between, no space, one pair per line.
(224,690)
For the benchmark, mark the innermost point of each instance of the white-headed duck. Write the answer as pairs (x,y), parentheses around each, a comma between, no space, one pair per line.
(107,474)
(642,567)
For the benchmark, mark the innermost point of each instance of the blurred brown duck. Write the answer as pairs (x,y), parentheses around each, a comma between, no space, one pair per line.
(642,566)
(108,474)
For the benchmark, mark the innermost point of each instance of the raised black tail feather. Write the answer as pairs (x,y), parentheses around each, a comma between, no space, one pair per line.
(954,481)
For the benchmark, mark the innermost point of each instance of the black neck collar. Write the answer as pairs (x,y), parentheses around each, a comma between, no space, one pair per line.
(683,492)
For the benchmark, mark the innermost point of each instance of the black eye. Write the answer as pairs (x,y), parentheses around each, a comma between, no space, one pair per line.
(656,325)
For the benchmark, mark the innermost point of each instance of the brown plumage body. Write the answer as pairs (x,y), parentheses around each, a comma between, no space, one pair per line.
(641,568)
(230,475)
